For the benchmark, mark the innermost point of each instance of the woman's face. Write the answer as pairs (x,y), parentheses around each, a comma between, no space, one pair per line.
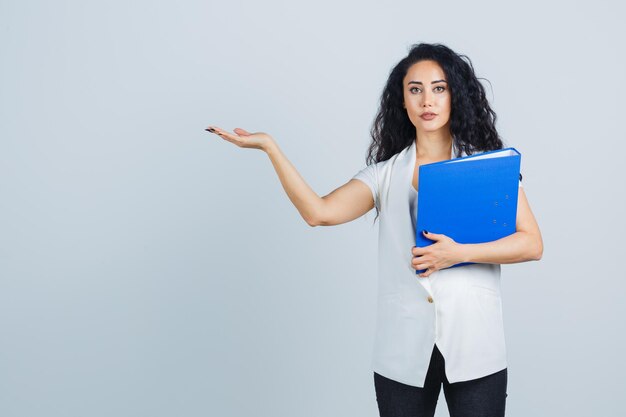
(427,97)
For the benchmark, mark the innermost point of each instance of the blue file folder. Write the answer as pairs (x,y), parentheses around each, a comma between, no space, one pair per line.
(472,199)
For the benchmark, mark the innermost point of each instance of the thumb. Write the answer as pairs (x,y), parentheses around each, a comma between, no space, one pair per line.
(432,236)
(241,132)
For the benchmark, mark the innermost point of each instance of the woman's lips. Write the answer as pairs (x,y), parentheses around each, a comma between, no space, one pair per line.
(428,116)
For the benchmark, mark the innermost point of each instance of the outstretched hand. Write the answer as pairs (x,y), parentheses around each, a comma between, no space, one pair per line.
(243,138)
(444,253)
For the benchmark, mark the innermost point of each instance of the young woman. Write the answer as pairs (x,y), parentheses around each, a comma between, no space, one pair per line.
(444,326)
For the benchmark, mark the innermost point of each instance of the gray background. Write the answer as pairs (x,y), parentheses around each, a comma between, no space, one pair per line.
(148,268)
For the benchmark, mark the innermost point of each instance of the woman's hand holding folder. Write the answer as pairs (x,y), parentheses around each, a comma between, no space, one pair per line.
(444,253)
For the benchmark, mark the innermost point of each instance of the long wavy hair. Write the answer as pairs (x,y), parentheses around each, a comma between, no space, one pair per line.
(472,121)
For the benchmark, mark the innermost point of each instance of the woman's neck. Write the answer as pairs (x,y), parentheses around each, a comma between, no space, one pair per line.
(433,145)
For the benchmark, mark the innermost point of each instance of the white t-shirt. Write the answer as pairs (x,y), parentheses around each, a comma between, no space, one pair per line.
(459,309)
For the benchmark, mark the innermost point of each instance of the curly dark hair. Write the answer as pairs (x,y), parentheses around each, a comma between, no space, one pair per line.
(472,121)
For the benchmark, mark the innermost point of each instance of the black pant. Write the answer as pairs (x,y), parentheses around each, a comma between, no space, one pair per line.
(482,397)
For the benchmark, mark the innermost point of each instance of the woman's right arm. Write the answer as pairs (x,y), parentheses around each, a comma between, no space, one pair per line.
(346,203)
(342,205)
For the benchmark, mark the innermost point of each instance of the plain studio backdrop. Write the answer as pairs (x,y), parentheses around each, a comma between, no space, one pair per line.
(149,268)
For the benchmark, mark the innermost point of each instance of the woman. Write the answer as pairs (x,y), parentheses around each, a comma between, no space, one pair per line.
(444,326)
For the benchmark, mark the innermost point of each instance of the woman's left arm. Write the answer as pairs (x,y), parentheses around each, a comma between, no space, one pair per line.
(524,245)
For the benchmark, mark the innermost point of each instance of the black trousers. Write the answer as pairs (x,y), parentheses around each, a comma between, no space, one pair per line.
(482,397)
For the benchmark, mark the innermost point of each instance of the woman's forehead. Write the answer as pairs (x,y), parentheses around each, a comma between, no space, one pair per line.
(424,71)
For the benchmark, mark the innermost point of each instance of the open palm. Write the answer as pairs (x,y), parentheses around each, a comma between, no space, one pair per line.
(243,138)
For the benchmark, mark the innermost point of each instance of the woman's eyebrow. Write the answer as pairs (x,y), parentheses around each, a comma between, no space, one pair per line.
(432,82)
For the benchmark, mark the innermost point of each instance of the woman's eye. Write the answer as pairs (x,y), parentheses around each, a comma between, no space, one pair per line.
(438,89)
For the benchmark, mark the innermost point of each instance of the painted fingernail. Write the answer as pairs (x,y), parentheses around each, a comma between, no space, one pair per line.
(425,232)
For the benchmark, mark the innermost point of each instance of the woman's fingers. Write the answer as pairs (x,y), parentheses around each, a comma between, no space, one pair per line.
(225,135)
(426,274)
(418,263)
(213,129)
(216,130)
(417,251)
(231,138)
(422,266)
(242,137)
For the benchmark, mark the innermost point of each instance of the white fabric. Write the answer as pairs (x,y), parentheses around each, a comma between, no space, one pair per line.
(465,318)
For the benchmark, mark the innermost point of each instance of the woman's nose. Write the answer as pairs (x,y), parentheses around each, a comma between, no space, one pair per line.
(427,100)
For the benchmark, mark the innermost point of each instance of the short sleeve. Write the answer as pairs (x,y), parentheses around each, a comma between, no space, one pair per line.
(369,176)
